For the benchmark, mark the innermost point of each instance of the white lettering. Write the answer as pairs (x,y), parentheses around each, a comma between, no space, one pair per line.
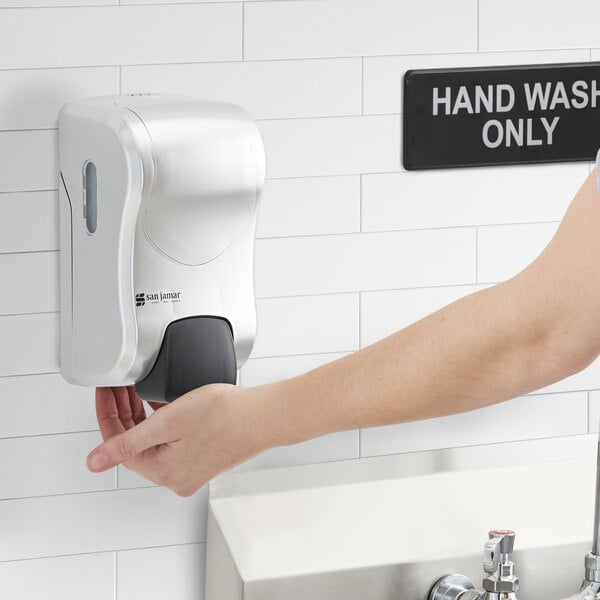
(486,135)
(579,88)
(560,96)
(550,127)
(537,96)
(504,88)
(513,132)
(594,93)
(437,100)
(530,140)
(462,101)
(482,98)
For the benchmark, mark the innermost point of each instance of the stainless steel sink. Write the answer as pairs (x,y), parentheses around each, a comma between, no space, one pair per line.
(388,527)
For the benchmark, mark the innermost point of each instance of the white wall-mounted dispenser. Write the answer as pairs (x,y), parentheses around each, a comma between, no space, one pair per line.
(158,200)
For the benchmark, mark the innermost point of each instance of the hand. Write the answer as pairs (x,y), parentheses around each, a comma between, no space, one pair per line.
(181,445)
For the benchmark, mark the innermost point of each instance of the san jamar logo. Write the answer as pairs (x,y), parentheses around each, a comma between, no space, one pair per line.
(143,298)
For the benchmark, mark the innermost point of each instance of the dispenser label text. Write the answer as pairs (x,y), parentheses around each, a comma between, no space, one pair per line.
(143,298)
(501,115)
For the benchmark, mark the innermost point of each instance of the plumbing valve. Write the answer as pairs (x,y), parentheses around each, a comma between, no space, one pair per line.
(499,582)
(500,571)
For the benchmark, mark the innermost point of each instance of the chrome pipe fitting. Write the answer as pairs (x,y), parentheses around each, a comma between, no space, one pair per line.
(454,587)
(499,582)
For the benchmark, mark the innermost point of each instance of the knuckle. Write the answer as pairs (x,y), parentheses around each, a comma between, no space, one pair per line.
(124,447)
(162,478)
(158,480)
(126,415)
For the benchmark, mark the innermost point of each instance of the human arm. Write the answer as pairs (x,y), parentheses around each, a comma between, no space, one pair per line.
(536,328)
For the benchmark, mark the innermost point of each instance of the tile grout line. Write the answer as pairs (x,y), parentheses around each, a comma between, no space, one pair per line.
(40,191)
(25,314)
(45,435)
(374,232)
(322,117)
(259,60)
(314,176)
(27,252)
(67,494)
(477,22)
(42,373)
(94,552)
(360,202)
(115,570)
(360,443)
(375,291)
(390,231)
(362,85)
(243,31)
(117,3)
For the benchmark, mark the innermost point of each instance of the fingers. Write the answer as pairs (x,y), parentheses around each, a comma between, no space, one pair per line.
(137,406)
(128,444)
(124,407)
(107,413)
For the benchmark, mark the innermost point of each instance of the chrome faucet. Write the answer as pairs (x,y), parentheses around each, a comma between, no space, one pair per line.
(590,588)
(500,582)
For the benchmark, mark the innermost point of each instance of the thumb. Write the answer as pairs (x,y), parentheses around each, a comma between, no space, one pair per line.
(125,446)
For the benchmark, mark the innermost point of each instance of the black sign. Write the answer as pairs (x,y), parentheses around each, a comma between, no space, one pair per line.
(501,115)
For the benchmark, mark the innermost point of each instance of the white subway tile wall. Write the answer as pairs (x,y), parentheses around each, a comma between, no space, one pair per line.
(178,572)
(28,159)
(29,344)
(536,416)
(31,98)
(351,246)
(347,145)
(267,89)
(36,293)
(504,250)
(137,34)
(419,199)
(307,324)
(29,221)
(536,24)
(89,576)
(82,523)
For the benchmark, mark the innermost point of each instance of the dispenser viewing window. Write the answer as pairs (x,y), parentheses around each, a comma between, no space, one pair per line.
(158,202)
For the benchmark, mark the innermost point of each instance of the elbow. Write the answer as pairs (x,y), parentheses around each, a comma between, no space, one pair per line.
(554,336)
(572,346)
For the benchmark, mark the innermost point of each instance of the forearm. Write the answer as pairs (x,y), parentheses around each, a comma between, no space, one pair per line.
(471,353)
(528,332)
